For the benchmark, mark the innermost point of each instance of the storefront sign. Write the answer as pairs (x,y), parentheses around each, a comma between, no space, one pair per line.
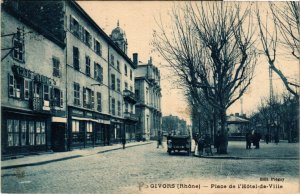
(89,114)
(22,72)
(77,112)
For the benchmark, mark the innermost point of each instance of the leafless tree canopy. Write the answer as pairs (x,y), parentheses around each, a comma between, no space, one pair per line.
(281,28)
(210,47)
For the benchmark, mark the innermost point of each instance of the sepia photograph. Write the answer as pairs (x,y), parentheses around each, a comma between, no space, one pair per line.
(142,97)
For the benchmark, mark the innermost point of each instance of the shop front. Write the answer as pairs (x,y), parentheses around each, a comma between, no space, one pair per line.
(24,132)
(87,128)
(116,130)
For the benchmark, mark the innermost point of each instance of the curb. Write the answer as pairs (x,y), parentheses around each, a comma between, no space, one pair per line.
(246,158)
(67,158)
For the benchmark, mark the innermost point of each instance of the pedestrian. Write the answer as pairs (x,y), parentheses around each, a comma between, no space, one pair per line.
(200,145)
(276,138)
(267,138)
(123,142)
(256,139)
(248,140)
(196,137)
(159,140)
(217,141)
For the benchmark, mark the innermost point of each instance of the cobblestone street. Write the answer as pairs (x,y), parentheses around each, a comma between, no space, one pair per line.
(139,169)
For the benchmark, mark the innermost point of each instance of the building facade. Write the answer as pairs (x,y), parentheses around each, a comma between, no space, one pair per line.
(33,101)
(148,94)
(68,82)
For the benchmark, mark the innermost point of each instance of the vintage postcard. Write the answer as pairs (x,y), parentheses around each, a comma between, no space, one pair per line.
(140,97)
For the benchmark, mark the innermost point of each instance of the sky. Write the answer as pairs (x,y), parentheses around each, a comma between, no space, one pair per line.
(137,19)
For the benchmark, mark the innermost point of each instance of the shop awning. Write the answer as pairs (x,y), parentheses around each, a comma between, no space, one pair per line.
(94,120)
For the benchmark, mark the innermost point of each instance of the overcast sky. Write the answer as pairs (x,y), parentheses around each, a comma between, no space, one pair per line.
(137,19)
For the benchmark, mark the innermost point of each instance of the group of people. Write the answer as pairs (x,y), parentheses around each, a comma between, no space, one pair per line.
(253,138)
(203,143)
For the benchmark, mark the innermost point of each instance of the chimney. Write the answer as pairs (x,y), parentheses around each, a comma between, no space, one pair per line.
(135,59)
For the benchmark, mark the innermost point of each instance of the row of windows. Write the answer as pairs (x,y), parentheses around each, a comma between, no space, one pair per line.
(112,62)
(26,89)
(98,69)
(113,107)
(84,35)
(23,132)
(88,97)
(118,87)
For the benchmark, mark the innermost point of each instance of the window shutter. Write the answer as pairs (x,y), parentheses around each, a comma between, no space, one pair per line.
(61,99)
(101,74)
(11,88)
(84,97)
(71,24)
(95,71)
(94,44)
(100,48)
(92,99)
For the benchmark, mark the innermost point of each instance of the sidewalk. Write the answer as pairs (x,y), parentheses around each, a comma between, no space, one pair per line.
(237,150)
(59,156)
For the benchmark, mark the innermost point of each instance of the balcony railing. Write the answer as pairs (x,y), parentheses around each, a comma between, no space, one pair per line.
(129,95)
(40,105)
(130,116)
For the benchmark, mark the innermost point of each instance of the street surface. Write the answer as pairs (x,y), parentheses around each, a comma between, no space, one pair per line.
(142,169)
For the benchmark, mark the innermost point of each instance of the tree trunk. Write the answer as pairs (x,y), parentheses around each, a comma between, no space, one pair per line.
(224,133)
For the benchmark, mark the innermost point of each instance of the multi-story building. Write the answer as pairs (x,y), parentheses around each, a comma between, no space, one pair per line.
(77,78)
(33,97)
(122,87)
(148,94)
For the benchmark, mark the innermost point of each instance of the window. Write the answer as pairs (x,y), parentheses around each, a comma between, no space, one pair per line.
(23,132)
(31,132)
(97,47)
(118,85)
(118,65)
(88,98)
(16,87)
(112,60)
(87,38)
(99,103)
(126,86)
(56,64)
(137,95)
(10,132)
(126,106)
(113,81)
(131,88)
(98,72)
(76,58)
(87,66)
(131,108)
(75,27)
(40,137)
(75,126)
(18,52)
(130,74)
(125,69)
(46,92)
(57,98)
(113,106)
(119,108)
(76,94)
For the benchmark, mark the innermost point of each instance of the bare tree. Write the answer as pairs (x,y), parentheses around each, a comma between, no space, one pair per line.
(283,30)
(211,48)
